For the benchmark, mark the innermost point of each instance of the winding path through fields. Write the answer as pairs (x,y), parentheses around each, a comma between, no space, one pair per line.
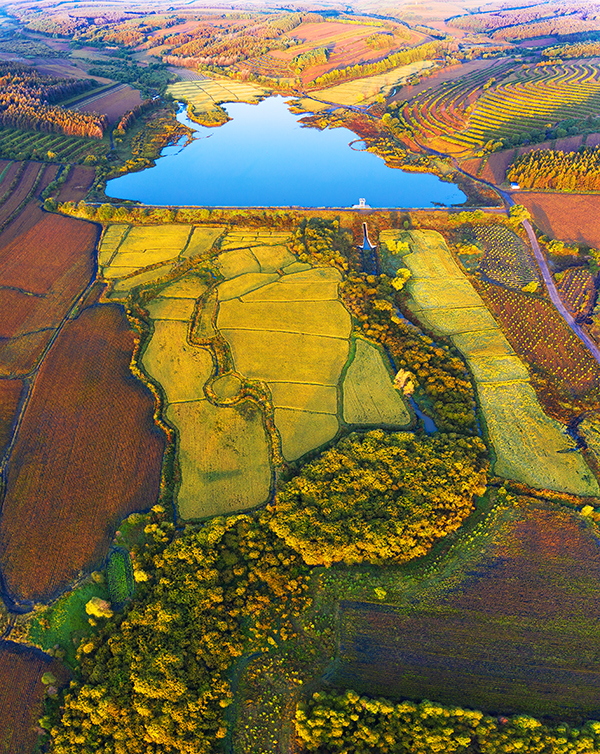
(542,263)
(553,293)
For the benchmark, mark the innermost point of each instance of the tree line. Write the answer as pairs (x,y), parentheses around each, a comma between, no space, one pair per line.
(347,723)
(26,102)
(556,170)
(427,51)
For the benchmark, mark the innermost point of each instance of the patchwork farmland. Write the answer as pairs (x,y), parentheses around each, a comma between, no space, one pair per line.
(443,299)
(259,356)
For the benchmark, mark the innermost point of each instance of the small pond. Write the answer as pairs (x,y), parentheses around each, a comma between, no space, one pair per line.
(264,157)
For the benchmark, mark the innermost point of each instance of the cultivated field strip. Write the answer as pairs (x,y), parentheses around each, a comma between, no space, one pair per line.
(529,446)
(364,91)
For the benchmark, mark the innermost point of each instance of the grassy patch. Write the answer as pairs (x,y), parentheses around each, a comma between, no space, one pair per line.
(66,622)
(369,396)
(224,458)
(204,96)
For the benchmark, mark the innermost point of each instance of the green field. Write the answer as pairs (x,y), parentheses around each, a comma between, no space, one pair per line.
(33,145)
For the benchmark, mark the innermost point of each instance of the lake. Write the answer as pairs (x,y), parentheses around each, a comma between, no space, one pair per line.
(263,157)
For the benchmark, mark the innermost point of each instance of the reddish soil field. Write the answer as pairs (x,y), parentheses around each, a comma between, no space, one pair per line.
(536,147)
(578,291)
(10,394)
(471,166)
(87,454)
(348,44)
(22,694)
(541,337)
(512,631)
(37,259)
(114,104)
(19,355)
(494,170)
(46,261)
(539,42)
(78,183)
(8,179)
(592,140)
(569,144)
(20,193)
(568,217)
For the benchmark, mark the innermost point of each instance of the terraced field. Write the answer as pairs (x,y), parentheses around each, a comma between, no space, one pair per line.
(529,446)
(461,117)
(567,91)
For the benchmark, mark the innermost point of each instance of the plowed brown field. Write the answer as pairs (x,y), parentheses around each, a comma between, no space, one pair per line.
(42,272)
(568,217)
(77,184)
(87,454)
(113,104)
(22,693)
(21,191)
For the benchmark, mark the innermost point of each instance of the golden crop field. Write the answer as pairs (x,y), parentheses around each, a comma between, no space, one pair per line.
(223,456)
(280,334)
(364,91)
(533,451)
(369,395)
(527,449)
(139,255)
(207,94)
(246,238)
(223,452)
(245,284)
(181,368)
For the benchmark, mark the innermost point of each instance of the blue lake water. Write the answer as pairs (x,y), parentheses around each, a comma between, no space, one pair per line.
(265,158)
